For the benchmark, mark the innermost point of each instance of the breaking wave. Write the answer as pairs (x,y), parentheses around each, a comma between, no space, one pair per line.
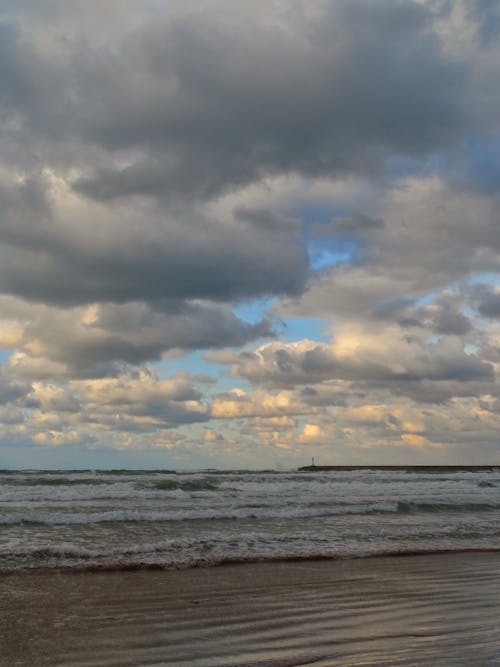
(245,512)
(125,518)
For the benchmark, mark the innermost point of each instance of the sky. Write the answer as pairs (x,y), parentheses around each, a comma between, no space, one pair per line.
(242,234)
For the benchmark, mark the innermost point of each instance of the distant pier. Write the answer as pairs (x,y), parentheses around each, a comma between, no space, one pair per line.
(402,468)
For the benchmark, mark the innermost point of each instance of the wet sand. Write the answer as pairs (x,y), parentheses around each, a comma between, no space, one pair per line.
(441,609)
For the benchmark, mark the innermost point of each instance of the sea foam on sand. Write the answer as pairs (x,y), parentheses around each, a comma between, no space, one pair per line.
(441,609)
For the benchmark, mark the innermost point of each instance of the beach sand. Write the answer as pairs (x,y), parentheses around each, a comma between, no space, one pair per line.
(441,609)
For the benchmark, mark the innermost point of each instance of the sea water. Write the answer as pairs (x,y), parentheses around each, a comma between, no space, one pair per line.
(128,518)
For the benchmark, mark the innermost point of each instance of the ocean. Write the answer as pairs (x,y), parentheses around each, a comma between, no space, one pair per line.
(125,519)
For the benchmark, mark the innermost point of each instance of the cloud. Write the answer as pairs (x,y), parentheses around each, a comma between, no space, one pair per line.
(213,94)
(241,404)
(216,95)
(182,105)
(167,166)
(427,243)
(12,389)
(131,402)
(100,338)
(442,316)
(66,251)
(358,355)
(489,301)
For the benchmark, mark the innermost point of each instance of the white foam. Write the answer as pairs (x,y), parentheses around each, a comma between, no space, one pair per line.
(240,516)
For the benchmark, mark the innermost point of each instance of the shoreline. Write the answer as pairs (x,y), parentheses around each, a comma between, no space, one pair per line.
(141,566)
(403,610)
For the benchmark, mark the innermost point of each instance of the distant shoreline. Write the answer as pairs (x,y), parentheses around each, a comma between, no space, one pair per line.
(208,471)
(409,468)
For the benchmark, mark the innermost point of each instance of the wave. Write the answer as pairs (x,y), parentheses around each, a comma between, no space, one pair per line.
(410,507)
(194,493)
(125,484)
(64,488)
(72,558)
(237,560)
(54,481)
(186,485)
(244,512)
(131,516)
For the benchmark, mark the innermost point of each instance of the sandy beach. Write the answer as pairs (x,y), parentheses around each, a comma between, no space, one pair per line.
(441,609)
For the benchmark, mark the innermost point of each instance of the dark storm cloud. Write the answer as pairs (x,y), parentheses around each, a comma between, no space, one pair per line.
(141,254)
(218,94)
(264,219)
(224,272)
(197,101)
(489,302)
(20,87)
(359,223)
(35,89)
(218,99)
(448,321)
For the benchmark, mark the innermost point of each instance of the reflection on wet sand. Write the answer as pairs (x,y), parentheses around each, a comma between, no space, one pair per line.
(417,610)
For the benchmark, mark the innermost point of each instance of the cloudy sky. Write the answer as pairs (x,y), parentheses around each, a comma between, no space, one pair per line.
(242,234)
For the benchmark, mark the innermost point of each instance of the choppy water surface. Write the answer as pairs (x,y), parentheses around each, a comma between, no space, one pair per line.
(121,518)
